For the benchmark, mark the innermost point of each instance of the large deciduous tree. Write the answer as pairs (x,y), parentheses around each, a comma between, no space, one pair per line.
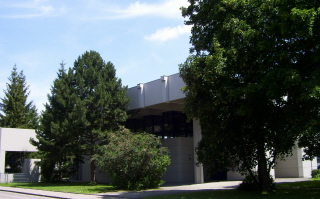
(15,110)
(85,104)
(252,79)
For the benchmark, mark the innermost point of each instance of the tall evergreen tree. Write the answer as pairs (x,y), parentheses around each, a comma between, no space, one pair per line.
(56,142)
(101,102)
(85,104)
(15,111)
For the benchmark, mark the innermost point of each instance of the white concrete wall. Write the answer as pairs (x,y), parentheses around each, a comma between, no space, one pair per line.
(307,167)
(12,139)
(133,94)
(153,94)
(101,176)
(164,89)
(6,178)
(294,167)
(31,170)
(291,166)
(234,176)
(198,169)
(175,85)
(181,154)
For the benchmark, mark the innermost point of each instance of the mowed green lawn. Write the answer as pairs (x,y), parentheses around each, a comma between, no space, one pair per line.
(84,188)
(307,189)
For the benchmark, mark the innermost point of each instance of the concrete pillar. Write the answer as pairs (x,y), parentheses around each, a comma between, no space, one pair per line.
(2,161)
(198,170)
(141,95)
(3,175)
(164,88)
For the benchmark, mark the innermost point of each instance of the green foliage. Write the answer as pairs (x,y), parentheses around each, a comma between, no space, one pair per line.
(249,183)
(56,141)
(16,111)
(133,160)
(54,169)
(310,141)
(86,102)
(252,80)
(315,173)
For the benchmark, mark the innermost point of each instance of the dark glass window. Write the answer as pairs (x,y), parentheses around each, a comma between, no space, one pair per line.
(168,125)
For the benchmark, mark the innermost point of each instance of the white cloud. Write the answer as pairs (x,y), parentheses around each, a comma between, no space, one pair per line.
(167,8)
(168,33)
(29,9)
(91,10)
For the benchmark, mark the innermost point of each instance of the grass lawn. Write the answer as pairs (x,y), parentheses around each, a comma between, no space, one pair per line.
(295,190)
(84,188)
(314,183)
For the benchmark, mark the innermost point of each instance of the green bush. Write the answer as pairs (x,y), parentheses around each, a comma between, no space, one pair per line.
(133,160)
(315,173)
(53,170)
(249,184)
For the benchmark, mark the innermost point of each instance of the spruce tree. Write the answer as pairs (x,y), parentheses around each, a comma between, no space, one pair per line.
(56,142)
(15,111)
(85,104)
(101,102)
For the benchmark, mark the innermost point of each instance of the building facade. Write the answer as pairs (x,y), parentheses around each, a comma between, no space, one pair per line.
(156,107)
(14,144)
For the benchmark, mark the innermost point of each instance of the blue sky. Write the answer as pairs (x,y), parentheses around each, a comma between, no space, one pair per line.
(144,39)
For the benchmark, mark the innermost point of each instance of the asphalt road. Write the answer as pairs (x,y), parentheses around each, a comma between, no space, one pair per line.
(11,195)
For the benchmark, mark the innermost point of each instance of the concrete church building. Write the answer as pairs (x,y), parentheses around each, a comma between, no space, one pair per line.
(156,107)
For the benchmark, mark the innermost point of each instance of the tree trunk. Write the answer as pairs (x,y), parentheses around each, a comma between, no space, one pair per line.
(93,172)
(263,171)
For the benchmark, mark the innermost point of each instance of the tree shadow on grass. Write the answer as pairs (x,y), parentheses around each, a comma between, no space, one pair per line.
(222,194)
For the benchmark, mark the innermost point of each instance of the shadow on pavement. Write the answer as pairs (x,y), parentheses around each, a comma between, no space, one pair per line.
(149,193)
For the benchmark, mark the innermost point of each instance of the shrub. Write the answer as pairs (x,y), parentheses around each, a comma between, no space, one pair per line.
(315,173)
(249,184)
(133,160)
(53,170)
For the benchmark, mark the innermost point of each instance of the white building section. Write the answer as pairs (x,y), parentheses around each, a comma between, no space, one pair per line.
(17,140)
(161,96)
(164,92)
(164,95)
